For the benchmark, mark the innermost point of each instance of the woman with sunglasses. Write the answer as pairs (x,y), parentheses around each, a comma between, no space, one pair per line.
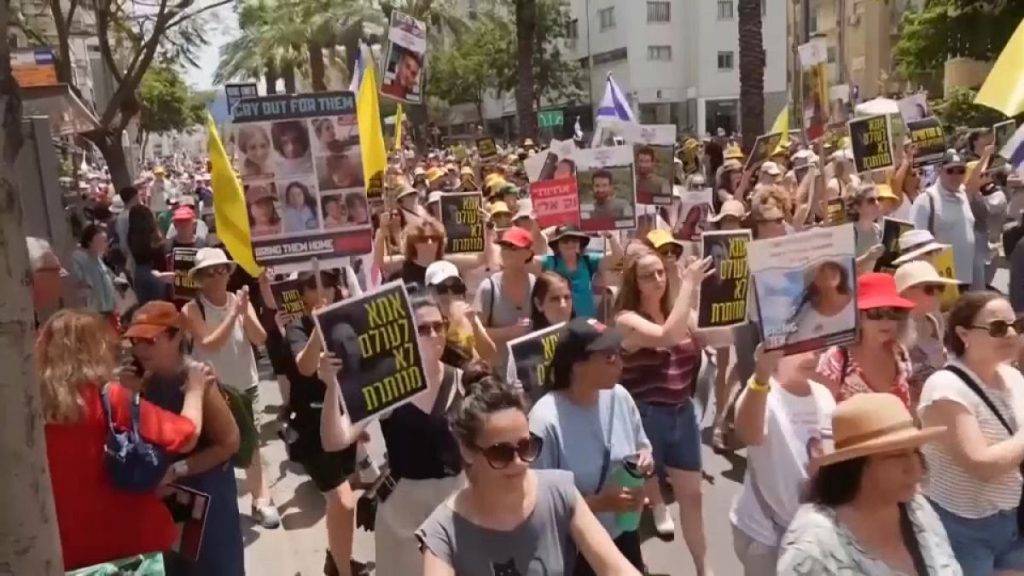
(877,361)
(974,470)
(552,301)
(863,210)
(920,283)
(661,360)
(466,337)
(424,245)
(509,519)
(569,258)
(423,455)
(583,398)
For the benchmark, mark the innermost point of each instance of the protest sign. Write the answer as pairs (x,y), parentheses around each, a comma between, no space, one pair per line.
(529,357)
(552,163)
(872,143)
(302,174)
(892,229)
(486,148)
(555,202)
(189,509)
(722,298)
(805,286)
(182,260)
(694,209)
(464,228)
(835,212)
(946,267)
(405,61)
(763,148)
(814,95)
(1002,132)
(374,336)
(288,298)
(913,108)
(929,139)
(653,146)
(235,93)
(604,181)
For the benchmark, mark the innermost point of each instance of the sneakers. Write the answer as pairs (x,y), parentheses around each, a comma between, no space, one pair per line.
(265,514)
(663,523)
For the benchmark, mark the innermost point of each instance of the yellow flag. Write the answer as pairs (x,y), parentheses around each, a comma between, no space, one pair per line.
(781,124)
(229,209)
(371,137)
(1004,87)
(398,128)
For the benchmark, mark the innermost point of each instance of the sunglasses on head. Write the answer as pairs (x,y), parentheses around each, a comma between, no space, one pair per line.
(885,314)
(956,170)
(499,456)
(454,287)
(428,329)
(1001,328)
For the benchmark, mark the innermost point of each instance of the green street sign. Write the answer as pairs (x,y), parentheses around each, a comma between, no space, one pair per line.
(550,119)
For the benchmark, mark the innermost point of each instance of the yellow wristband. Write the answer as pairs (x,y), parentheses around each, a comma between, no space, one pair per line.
(756,386)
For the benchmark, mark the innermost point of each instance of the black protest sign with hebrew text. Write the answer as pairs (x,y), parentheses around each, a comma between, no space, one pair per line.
(723,295)
(835,212)
(530,357)
(486,148)
(182,260)
(872,143)
(463,225)
(763,148)
(375,338)
(892,229)
(288,298)
(929,140)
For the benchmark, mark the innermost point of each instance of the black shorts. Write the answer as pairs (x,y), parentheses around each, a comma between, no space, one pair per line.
(330,469)
(281,359)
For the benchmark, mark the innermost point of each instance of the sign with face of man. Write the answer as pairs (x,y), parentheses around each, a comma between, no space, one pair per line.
(405,61)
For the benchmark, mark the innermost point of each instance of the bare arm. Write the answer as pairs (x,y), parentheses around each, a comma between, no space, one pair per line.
(308,359)
(336,430)
(596,544)
(221,431)
(205,336)
(752,405)
(965,441)
(434,566)
(254,331)
(642,333)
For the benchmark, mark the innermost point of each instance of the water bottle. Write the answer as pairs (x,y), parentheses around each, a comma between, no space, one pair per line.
(629,476)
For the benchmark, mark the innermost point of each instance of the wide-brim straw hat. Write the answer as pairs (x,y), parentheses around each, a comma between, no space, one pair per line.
(874,423)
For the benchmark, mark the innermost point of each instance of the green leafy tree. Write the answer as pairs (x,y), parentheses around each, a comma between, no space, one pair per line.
(464,72)
(958,110)
(168,103)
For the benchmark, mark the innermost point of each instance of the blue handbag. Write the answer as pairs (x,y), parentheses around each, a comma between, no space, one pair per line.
(134,464)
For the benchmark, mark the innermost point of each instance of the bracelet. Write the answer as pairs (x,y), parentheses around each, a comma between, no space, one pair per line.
(756,386)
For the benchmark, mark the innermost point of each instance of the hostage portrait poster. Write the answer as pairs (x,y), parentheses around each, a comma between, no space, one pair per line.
(406,59)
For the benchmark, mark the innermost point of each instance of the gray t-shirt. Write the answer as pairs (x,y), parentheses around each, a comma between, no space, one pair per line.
(540,546)
(496,311)
(575,438)
(953,225)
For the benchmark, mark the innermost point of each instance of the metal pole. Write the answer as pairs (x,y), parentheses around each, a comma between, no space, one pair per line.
(590,64)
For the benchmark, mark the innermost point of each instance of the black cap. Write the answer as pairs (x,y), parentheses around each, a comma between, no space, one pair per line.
(582,337)
(953,158)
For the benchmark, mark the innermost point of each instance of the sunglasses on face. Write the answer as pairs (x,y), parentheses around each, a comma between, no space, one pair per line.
(428,329)
(456,288)
(957,171)
(428,239)
(885,314)
(1001,328)
(500,456)
(933,289)
(673,251)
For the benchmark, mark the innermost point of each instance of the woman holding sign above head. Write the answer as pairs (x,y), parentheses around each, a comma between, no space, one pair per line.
(466,337)
(661,361)
(424,244)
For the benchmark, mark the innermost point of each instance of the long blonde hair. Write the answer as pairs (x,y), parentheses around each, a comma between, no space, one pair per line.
(629,292)
(74,350)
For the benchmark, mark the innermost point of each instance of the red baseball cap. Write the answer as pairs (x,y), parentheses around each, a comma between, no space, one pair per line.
(517,237)
(878,290)
(183,214)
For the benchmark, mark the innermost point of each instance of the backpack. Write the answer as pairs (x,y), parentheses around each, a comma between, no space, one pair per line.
(134,464)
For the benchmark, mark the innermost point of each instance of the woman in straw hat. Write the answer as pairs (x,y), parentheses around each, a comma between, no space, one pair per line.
(864,515)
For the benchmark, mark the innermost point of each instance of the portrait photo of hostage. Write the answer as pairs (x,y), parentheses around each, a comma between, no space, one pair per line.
(565,168)
(299,207)
(692,218)
(605,185)
(341,171)
(654,174)
(358,211)
(254,144)
(334,211)
(403,75)
(264,209)
(291,143)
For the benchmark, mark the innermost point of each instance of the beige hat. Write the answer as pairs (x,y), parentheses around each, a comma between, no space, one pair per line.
(874,423)
(916,243)
(730,208)
(771,168)
(918,272)
(208,257)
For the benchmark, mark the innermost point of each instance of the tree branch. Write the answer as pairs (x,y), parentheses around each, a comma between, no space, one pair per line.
(102,29)
(187,15)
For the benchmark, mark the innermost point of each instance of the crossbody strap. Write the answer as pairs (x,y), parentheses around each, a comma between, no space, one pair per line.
(136,413)
(911,542)
(970,383)
(105,399)
(606,460)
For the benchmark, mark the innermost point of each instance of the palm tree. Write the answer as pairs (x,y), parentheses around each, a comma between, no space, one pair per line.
(752,61)
(526,44)
(264,48)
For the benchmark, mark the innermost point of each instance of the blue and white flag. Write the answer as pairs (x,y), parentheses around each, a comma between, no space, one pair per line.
(357,71)
(1013,150)
(614,105)
(577,130)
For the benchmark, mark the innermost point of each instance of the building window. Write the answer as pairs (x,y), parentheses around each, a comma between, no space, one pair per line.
(725,60)
(725,9)
(607,18)
(812,21)
(658,12)
(659,53)
(573,31)
(831,52)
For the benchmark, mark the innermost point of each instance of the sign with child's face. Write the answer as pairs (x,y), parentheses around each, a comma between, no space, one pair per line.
(302,174)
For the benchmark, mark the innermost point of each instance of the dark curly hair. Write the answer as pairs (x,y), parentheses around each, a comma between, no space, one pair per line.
(485,394)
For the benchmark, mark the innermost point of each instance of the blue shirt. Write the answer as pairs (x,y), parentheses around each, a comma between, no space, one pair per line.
(580,280)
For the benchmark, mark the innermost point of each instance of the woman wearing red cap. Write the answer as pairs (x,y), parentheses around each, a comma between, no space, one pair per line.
(877,362)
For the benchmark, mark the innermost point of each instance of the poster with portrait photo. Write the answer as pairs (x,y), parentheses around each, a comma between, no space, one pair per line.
(375,337)
(806,288)
(299,150)
(692,218)
(406,59)
(653,162)
(606,188)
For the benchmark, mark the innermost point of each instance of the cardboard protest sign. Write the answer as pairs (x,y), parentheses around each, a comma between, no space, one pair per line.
(694,209)
(892,229)
(551,163)
(529,357)
(929,139)
(288,298)
(913,108)
(1002,132)
(722,298)
(835,212)
(607,195)
(375,337)
(653,146)
(946,267)
(235,93)
(405,61)
(182,260)
(763,148)
(464,228)
(555,202)
(486,148)
(302,174)
(872,143)
(805,285)
(189,509)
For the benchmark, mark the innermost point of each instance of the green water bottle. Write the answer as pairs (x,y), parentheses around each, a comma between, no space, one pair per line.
(629,476)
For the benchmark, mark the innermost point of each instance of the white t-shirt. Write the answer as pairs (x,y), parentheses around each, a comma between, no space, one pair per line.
(793,425)
(949,484)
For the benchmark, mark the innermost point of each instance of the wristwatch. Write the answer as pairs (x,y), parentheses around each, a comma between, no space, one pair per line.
(180,468)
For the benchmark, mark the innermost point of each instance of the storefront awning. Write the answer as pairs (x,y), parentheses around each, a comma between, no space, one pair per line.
(67,114)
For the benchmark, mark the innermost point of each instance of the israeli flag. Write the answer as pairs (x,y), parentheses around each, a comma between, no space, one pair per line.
(357,71)
(614,105)
(577,131)
(1013,151)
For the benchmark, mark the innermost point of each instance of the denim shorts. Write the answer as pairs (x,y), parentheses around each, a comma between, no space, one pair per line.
(984,545)
(674,435)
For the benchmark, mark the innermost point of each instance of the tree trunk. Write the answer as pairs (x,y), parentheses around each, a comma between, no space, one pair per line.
(270,77)
(752,63)
(109,145)
(29,540)
(526,31)
(288,74)
(145,144)
(317,67)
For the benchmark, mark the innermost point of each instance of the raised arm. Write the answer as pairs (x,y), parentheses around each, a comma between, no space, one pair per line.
(642,333)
